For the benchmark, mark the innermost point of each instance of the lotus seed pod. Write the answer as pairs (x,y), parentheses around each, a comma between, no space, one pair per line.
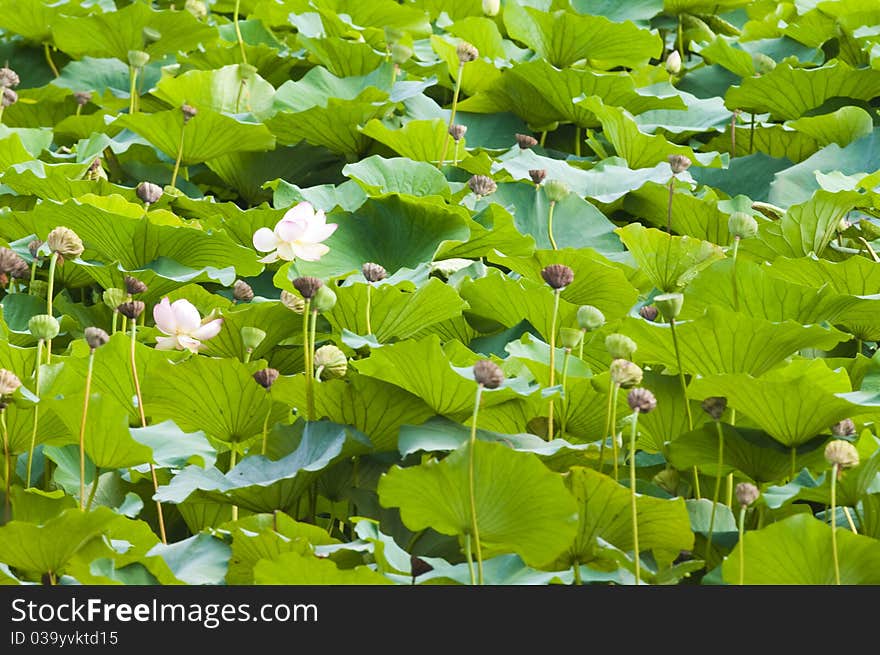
(668,480)
(82,97)
(418,566)
(242,291)
(669,305)
(293,302)
(34,246)
(374,272)
(482,185)
(641,400)
(8,78)
(95,337)
(537,175)
(332,362)
(44,327)
(149,193)
(555,190)
(197,8)
(842,453)
(138,58)
(131,308)
(466,52)
(558,276)
(714,406)
(96,171)
(679,163)
(762,63)
(620,346)
(324,300)
(525,141)
(9,98)
(589,318)
(113,298)
(625,373)
(307,286)
(488,373)
(9,382)
(570,337)
(266,377)
(39,288)
(12,264)
(65,242)
(746,493)
(189,112)
(844,428)
(150,35)
(673,63)
(252,337)
(400,53)
(457,132)
(649,312)
(491,7)
(742,225)
(134,286)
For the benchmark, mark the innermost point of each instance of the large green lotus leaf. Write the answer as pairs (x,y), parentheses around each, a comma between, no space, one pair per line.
(319,84)
(700,114)
(293,568)
(396,231)
(115,33)
(776,140)
(12,152)
(493,231)
(396,312)
(726,52)
(240,224)
(521,507)
(398,175)
(422,368)
(637,11)
(640,150)
(342,57)
(853,485)
(223,90)
(33,19)
(576,222)
(198,560)
(207,135)
(855,276)
(259,484)
(841,127)
(669,420)
(788,92)
(563,38)
(541,94)
(701,6)
(797,551)
(722,341)
(693,216)
(171,447)
(669,262)
(586,409)
(49,547)
(751,175)
(217,396)
(535,355)
(273,318)
(420,140)
(476,76)
(411,19)
(805,228)
(597,281)
(59,182)
(348,195)
(792,404)
(605,512)
(37,506)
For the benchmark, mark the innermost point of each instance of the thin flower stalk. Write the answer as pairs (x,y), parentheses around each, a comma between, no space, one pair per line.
(82,434)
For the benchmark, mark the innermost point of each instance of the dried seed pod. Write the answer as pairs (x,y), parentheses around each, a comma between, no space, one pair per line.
(34,246)
(625,373)
(82,97)
(293,302)
(189,112)
(95,337)
(131,309)
(714,406)
(457,132)
(842,453)
(488,373)
(8,77)
(466,52)
(266,377)
(242,291)
(12,264)
(9,98)
(525,141)
(679,163)
(746,493)
(133,286)
(641,400)
(482,185)
(649,312)
(558,276)
(307,286)
(844,428)
(331,361)
(537,175)
(149,193)
(374,272)
(65,242)
(9,382)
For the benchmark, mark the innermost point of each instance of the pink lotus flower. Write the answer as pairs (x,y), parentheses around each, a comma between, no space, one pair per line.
(297,235)
(185,328)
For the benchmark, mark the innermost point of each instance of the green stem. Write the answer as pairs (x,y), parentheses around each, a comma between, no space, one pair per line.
(752,135)
(132,89)
(793,462)
(53,264)
(577,141)
(733,135)
(49,61)
(735,288)
(82,433)
(632,494)
(238,30)
(451,115)
(93,490)
(577,574)
(730,490)
(681,377)
(669,204)
(308,360)
(834,523)
(266,431)
(115,317)
(858,346)
(581,344)
(564,398)
(742,545)
(555,315)
(680,39)
(179,155)
(313,331)
(30,459)
(607,427)
(33,277)
(232,458)
(7,467)
(369,307)
(470,558)
(717,491)
(475,529)
(550,225)
(543,139)
(614,452)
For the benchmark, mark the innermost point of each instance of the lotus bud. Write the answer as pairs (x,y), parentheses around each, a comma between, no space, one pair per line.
(457,132)
(11,263)
(293,302)
(491,7)
(9,382)
(113,298)
(714,406)
(488,373)
(138,58)
(242,291)
(525,141)
(331,362)
(537,175)
(266,377)
(668,480)
(95,337)
(34,246)
(844,428)
(9,98)
(620,346)
(570,338)
(400,53)
(641,400)
(679,163)
(82,97)
(324,300)
(39,288)
(742,225)
(189,112)
(65,242)
(307,286)
(673,63)
(374,272)
(466,52)
(252,337)
(8,78)
(150,35)
(197,8)
(746,493)
(134,286)
(131,308)
(762,63)
(649,312)
(149,193)
(625,373)
(589,318)
(482,185)
(555,190)
(842,453)
(558,276)
(669,305)
(44,327)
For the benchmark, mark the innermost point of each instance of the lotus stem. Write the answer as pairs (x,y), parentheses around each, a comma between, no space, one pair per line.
(681,377)
(266,431)
(452,115)
(307,355)
(53,264)
(82,435)
(556,293)
(94,489)
(238,31)
(470,558)
(33,277)
(49,61)
(7,466)
(632,493)
(179,155)
(232,459)
(669,207)
(543,139)
(752,135)
(834,470)
(614,452)
(369,307)
(793,462)
(849,520)
(550,225)
(30,459)
(730,490)
(577,141)
(680,38)
(733,135)
(564,416)
(475,528)
(736,241)
(717,492)
(314,329)
(581,344)
(742,545)
(611,396)
(132,90)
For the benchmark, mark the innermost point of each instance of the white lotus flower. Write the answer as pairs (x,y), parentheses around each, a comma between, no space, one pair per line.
(185,328)
(297,235)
